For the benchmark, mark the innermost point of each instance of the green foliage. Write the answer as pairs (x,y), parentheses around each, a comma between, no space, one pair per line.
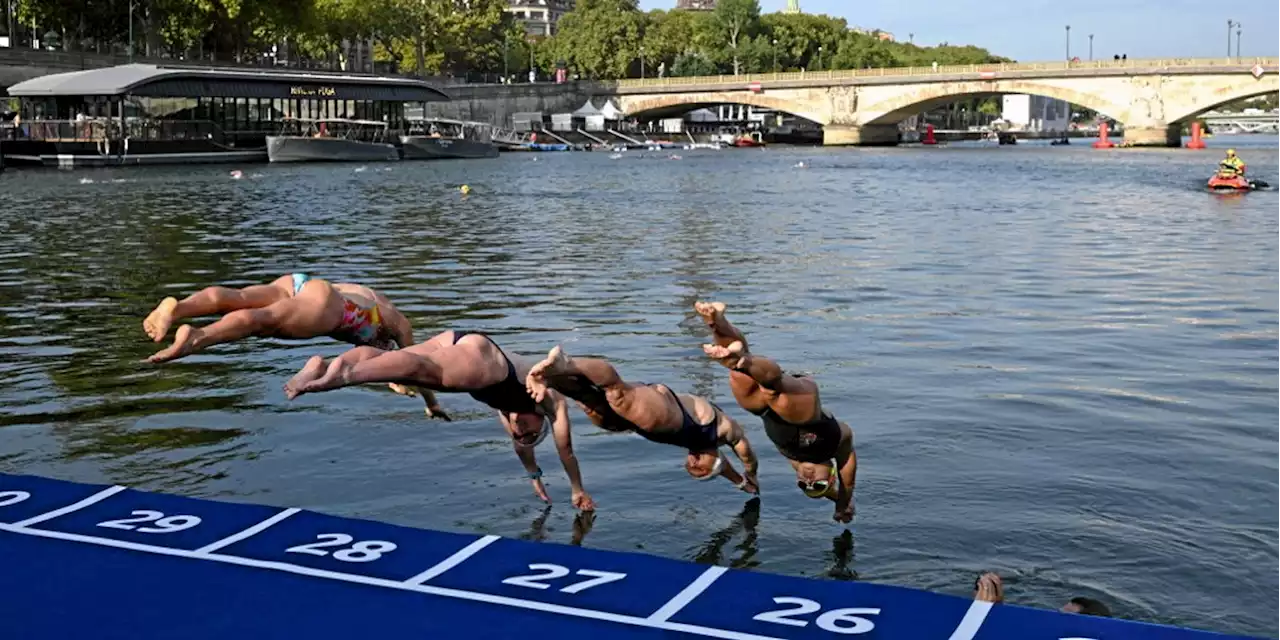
(604,39)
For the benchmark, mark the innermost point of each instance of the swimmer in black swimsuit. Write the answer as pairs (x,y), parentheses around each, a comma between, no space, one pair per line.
(819,447)
(461,362)
(655,412)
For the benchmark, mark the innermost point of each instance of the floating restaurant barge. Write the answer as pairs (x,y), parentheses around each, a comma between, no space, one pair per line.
(162,114)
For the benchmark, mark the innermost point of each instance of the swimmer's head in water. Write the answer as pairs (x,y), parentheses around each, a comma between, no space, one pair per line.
(528,429)
(817,480)
(704,465)
(1087,606)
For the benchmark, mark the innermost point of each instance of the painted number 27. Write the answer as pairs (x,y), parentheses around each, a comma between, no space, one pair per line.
(836,621)
(555,571)
(363,551)
(162,524)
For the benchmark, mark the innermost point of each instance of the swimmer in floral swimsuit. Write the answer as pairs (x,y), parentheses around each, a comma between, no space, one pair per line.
(295,306)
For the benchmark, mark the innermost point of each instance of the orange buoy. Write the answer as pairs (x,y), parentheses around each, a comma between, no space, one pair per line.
(1102,142)
(1195,142)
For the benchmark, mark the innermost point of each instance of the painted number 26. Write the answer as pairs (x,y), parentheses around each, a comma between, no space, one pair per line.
(836,621)
(363,551)
(554,571)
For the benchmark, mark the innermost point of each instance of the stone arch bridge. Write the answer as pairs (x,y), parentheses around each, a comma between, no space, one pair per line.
(1151,98)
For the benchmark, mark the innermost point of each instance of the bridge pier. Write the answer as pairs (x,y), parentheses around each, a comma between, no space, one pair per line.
(1167,136)
(867,135)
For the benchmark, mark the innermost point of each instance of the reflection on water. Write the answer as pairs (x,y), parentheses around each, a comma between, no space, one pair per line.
(1067,375)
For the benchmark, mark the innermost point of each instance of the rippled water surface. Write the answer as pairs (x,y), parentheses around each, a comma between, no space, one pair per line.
(1060,363)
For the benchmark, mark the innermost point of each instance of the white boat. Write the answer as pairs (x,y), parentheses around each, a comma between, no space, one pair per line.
(331,140)
(432,138)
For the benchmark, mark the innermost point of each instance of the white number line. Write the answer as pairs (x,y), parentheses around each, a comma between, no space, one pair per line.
(453,560)
(251,531)
(392,584)
(973,619)
(101,495)
(682,599)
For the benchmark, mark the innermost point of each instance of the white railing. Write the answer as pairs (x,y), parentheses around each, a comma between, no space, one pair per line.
(909,72)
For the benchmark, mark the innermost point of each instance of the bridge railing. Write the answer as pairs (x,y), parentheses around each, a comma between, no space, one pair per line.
(907,72)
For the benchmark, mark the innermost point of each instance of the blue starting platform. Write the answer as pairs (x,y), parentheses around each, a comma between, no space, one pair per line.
(106,562)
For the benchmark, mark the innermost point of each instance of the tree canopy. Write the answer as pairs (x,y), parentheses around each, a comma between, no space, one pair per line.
(734,38)
(598,39)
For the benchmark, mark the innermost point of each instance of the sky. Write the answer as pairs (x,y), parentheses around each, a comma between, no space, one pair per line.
(1035,30)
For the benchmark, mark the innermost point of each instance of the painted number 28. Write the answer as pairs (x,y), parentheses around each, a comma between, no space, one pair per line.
(836,621)
(162,524)
(363,551)
(555,571)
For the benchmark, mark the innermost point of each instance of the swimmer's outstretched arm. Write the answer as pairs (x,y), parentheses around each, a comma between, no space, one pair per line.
(847,466)
(561,430)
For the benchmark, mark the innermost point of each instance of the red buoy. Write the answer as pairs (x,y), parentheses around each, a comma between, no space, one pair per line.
(1102,142)
(928,135)
(1196,142)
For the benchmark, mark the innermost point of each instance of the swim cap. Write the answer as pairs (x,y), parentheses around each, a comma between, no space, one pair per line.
(830,490)
(715,468)
(542,435)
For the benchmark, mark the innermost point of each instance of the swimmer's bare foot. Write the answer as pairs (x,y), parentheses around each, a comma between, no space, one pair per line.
(710,311)
(730,356)
(313,369)
(160,319)
(337,375)
(184,342)
(557,363)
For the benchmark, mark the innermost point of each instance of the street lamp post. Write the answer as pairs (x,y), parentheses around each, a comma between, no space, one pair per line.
(1230,23)
(1068,43)
(775,55)
(130,30)
(1091,47)
(506,58)
(642,62)
(819,58)
(1237,42)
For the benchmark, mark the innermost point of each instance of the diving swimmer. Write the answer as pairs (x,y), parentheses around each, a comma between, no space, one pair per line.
(819,447)
(653,411)
(461,362)
(296,306)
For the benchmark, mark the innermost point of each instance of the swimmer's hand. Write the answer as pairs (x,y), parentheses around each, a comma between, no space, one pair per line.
(844,514)
(750,485)
(540,490)
(583,502)
(436,411)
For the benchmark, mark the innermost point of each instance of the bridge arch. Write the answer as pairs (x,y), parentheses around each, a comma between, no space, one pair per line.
(684,102)
(899,108)
(1246,87)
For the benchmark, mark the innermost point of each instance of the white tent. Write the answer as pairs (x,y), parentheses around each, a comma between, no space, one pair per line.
(586,110)
(611,111)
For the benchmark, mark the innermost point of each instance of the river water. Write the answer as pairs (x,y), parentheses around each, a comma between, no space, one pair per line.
(1060,363)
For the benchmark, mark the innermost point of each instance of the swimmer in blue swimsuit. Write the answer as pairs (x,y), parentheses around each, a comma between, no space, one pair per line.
(294,306)
(462,362)
(819,447)
(652,411)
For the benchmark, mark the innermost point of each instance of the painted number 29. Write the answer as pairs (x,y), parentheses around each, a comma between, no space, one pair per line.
(363,551)
(12,497)
(555,571)
(162,524)
(835,621)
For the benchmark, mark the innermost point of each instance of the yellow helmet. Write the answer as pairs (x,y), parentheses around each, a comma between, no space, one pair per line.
(1231,152)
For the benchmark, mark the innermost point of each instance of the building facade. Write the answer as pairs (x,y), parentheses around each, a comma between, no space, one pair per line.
(1035,113)
(539,17)
(696,5)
